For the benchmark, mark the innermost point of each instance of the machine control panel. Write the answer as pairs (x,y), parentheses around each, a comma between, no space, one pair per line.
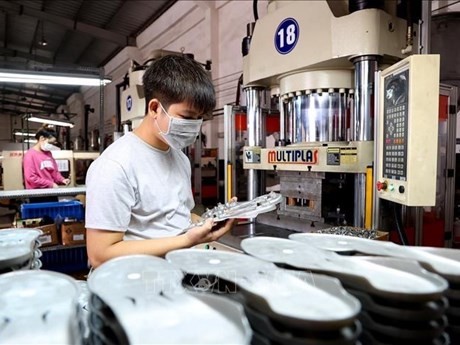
(395,119)
(407,140)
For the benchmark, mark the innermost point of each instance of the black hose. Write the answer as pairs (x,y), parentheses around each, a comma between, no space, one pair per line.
(238,87)
(399,227)
(254,9)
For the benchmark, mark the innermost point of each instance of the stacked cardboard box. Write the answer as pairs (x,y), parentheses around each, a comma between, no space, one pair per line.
(73,233)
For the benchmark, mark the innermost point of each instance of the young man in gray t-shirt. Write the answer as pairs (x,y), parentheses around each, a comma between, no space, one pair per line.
(139,195)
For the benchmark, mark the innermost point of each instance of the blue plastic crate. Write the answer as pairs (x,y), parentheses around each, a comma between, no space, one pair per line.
(65,260)
(65,209)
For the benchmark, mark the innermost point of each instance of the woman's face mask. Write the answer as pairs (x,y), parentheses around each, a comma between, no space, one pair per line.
(46,146)
(181,132)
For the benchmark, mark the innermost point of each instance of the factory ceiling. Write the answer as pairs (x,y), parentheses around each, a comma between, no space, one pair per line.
(44,34)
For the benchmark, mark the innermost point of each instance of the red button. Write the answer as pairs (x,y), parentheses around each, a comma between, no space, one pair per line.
(381,186)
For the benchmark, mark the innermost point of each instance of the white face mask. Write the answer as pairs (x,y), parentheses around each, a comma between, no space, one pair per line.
(181,132)
(46,146)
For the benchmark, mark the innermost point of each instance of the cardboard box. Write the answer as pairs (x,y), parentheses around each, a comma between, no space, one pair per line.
(73,233)
(50,235)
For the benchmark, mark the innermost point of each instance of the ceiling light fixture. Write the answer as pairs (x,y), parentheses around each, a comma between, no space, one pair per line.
(31,141)
(8,76)
(43,41)
(48,121)
(24,134)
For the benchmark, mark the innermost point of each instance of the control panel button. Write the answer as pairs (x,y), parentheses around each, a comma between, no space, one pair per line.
(401,189)
(381,186)
(391,187)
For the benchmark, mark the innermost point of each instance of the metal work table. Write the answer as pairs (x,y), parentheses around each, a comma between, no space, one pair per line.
(33,193)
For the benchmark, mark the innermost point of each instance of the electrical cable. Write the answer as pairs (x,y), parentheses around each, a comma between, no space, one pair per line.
(399,227)
(254,9)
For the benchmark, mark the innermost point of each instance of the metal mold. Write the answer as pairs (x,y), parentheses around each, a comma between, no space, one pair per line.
(430,330)
(18,249)
(280,335)
(446,267)
(149,289)
(265,286)
(37,307)
(375,339)
(399,280)
(402,311)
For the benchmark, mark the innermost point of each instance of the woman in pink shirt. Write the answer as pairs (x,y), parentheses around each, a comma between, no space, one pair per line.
(40,168)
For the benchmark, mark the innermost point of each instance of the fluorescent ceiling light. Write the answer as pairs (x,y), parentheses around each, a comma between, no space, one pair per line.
(24,134)
(51,78)
(32,141)
(40,119)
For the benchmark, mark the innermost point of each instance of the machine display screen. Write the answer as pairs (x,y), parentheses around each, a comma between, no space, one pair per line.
(395,122)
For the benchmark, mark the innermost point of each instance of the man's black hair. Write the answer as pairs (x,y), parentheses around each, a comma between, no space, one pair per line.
(46,132)
(177,79)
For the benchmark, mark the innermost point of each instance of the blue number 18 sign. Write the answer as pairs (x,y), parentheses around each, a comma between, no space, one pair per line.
(286,36)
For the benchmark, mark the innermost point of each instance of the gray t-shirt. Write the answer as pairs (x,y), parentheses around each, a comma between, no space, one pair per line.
(137,189)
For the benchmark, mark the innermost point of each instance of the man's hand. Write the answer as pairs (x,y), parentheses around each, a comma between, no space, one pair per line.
(209,231)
